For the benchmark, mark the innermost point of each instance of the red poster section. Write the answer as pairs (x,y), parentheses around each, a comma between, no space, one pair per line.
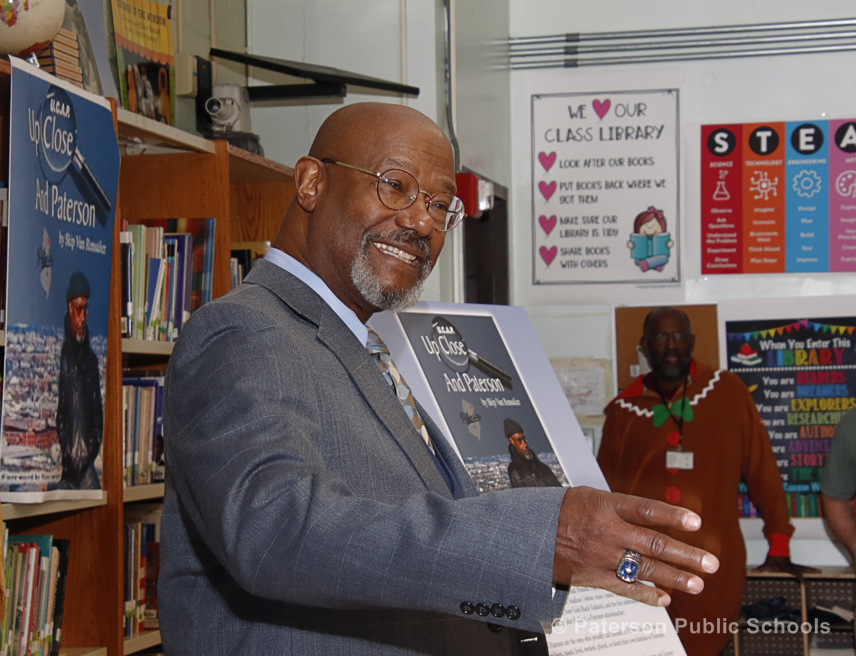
(721,199)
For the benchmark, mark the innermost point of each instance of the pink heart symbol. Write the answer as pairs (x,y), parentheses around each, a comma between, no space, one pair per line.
(547,190)
(601,108)
(547,224)
(546,160)
(548,254)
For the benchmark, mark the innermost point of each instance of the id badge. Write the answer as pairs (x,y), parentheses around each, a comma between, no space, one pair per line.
(679,459)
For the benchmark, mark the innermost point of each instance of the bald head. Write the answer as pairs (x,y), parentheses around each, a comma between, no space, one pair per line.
(352,128)
(372,257)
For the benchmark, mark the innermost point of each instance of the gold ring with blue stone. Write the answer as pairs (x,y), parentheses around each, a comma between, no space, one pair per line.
(628,568)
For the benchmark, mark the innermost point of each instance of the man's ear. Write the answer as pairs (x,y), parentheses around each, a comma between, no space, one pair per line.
(309,180)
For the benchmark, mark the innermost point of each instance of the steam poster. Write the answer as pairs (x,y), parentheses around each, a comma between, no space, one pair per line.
(606,188)
(778,197)
(63,178)
(801,372)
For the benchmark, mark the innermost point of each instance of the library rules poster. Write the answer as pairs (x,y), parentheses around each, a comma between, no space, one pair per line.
(63,179)
(605,189)
(801,373)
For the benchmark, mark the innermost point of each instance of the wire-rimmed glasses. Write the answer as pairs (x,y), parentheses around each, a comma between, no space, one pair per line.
(398,190)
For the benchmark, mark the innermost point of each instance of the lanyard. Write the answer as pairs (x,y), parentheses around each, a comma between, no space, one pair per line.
(679,424)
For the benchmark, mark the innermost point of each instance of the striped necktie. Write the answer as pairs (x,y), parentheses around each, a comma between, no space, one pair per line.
(393,376)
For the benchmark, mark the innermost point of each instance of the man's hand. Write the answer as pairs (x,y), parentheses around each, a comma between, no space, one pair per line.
(783,564)
(595,529)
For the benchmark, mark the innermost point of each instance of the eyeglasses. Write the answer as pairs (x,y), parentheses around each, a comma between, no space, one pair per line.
(398,190)
(662,338)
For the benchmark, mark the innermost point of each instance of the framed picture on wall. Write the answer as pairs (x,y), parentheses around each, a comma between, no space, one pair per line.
(629,361)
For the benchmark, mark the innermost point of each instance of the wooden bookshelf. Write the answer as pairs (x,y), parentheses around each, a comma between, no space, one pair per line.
(142,641)
(165,173)
(83,651)
(20,510)
(146,347)
(143,492)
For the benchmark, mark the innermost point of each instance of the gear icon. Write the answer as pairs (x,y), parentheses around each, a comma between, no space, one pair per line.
(807,183)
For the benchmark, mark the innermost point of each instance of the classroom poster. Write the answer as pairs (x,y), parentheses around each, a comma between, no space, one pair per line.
(779,197)
(63,179)
(471,366)
(801,372)
(606,188)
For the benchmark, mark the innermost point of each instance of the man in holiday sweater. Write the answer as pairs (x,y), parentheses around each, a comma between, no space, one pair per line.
(687,434)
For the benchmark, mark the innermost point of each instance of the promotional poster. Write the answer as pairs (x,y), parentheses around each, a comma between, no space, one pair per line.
(63,178)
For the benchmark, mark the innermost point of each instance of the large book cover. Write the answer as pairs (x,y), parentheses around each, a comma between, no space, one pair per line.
(63,179)
(144,57)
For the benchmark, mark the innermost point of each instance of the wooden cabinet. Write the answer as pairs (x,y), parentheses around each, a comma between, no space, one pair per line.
(165,173)
(833,585)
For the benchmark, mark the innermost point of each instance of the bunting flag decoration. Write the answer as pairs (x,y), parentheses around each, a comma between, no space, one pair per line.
(793,326)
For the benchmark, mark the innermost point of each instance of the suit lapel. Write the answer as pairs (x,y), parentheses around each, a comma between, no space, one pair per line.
(361,367)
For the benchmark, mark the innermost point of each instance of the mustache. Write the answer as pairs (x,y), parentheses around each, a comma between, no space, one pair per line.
(401,236)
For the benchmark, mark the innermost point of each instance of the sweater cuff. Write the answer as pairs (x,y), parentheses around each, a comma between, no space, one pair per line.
(779,545)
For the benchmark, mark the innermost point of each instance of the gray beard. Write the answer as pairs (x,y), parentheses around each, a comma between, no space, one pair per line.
(367,284)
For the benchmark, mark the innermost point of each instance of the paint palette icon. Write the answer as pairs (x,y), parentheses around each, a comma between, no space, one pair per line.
(845,184)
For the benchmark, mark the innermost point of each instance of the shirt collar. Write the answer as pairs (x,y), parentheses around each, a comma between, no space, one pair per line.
(311,279)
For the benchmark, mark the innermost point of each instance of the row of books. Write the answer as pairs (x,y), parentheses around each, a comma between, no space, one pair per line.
(142,428)
(800,504)
(36,568)
(62,58)
(167,273)
(141,570)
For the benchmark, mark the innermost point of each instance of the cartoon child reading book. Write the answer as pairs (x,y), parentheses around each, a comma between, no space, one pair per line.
(650,244)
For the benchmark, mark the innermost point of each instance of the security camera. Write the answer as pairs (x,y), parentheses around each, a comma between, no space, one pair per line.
(224,112)
(229,108)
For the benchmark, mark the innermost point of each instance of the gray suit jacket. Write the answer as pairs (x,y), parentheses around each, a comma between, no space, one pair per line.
(302,512)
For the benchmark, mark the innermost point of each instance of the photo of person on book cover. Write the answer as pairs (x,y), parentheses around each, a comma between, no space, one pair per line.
(479,391)
(63,179)
(79,412)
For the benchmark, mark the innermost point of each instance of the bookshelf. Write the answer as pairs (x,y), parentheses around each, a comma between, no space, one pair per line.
(165,173)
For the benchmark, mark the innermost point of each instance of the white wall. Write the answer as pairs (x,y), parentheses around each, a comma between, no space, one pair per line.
(482,87)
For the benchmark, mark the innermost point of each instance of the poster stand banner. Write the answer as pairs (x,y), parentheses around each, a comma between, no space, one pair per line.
(63,180)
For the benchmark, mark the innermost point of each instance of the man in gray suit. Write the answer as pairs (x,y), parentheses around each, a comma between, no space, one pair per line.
(304,513)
